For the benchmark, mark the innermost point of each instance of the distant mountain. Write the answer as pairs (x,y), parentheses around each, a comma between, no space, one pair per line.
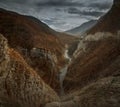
(83,28)
(110,22)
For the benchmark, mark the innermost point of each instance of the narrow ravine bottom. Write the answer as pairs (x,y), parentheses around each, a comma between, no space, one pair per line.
(63,73)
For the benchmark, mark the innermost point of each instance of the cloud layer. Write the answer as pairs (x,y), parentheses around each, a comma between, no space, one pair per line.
(60,14)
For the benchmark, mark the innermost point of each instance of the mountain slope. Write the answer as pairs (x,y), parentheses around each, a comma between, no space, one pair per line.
(19,83)
(36,42)
(102,93)
(83,28)
(70,42)
(31,30)
(100,59)
(97,55)
(109,22)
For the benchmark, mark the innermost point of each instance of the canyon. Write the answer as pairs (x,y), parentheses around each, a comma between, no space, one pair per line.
(40,67)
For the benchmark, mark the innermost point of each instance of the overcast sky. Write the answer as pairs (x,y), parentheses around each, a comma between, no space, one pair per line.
(61,15)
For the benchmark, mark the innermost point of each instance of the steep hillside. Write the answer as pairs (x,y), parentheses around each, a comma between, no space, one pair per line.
(83,28)
(97,55)
(25,27)
(20,85)
(102,93)
(70,42)
(109,22)
(99,59)
(39,45)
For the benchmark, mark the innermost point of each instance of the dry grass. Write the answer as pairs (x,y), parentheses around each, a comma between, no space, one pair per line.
(24,32)
(102,93)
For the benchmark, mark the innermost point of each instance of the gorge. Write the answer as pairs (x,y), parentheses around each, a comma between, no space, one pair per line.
(41,67)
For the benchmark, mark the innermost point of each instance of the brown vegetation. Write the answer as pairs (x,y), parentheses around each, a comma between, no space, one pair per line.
(101,59)
(26,33)
(19,83)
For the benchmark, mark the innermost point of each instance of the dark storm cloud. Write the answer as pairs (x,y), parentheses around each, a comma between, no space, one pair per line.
(100,6)
(105,4)
(14,1)
(93,13)
(84,12)
(93,3)
(59,14)
(44,2)
(58,3)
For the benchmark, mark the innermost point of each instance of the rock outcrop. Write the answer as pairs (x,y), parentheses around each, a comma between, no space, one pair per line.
(102,93)
(19,84)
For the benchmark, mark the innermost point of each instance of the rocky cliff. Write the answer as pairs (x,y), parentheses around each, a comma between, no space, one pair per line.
(99,59)
(19,84)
